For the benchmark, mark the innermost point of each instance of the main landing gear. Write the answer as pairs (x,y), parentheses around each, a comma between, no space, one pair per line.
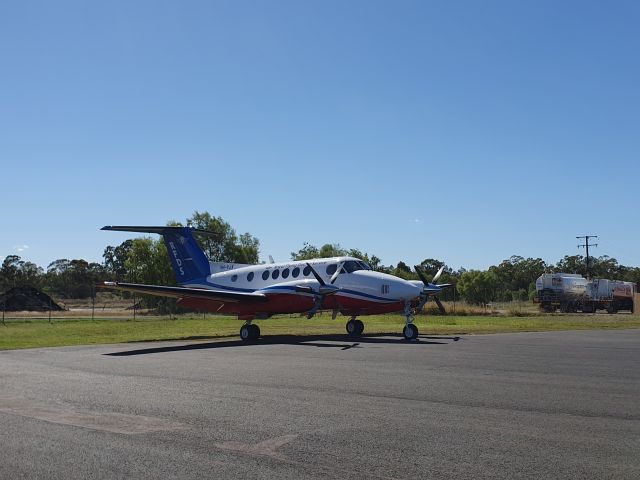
(355,327)
(410,331)
(249,332)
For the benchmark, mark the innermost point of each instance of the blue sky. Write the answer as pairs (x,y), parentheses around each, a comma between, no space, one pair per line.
(465,131)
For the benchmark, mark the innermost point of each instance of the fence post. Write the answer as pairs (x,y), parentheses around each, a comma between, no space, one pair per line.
(49,309)
(93,300)
(134,307)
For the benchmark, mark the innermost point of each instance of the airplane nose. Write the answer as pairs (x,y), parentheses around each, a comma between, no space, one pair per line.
(407,291)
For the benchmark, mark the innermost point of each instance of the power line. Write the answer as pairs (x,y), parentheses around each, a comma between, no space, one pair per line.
(586,245)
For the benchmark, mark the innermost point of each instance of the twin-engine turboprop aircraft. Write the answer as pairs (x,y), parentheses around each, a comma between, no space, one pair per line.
(343,285)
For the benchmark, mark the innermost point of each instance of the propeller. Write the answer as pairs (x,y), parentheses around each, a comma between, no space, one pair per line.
(323,290)
(431,288)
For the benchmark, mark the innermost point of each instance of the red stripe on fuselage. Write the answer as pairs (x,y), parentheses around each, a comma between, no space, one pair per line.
(285,303)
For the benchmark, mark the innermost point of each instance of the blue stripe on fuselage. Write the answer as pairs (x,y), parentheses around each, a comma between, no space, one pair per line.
(287,288)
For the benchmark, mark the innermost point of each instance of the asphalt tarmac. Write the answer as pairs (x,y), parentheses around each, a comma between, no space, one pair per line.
(531,405)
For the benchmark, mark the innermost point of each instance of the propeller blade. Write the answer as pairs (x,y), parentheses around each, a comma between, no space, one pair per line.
(337,272)
(421,276)
(440,306)
(437,275)
(316,306)
(315,274)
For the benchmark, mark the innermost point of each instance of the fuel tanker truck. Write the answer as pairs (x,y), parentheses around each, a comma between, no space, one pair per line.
(564,291)
(570,292)
(609,295)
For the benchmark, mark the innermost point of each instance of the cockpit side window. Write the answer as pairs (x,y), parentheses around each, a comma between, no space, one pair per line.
(353,266)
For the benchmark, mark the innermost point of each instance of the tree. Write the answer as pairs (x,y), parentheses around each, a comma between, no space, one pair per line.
(516,274)
(478,287)
(226,246)
(572,264)
(74,278)
(307,252)
(16,272)
(148,263)
(115,259)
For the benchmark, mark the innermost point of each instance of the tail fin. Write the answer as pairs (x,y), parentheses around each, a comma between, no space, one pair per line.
(187,258)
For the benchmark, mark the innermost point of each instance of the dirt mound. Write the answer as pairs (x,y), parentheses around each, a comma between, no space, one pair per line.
(19,299)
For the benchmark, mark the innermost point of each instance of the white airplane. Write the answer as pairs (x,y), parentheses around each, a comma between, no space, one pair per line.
(343,285)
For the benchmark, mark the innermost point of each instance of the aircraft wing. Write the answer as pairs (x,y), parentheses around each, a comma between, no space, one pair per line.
(183,292)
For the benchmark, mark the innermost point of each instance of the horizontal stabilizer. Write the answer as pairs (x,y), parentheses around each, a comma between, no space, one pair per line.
(187,292)
(158,230)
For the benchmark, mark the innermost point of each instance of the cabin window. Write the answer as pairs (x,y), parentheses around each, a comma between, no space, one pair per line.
(331,269)
(275,274)
(285,273)
(265,275)
(234,278)
(385,289)
(295,272)
(306,271)
(250,276)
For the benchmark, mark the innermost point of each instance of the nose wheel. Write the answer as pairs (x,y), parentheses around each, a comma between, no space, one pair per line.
(355,327)
(410,332)
(249,332)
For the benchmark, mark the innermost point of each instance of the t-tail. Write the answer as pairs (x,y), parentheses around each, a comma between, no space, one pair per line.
(187,258)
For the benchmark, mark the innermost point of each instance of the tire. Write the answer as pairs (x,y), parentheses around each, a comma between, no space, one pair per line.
(255,332)
(246,333)
(352,327)
(359,326)
(410,332)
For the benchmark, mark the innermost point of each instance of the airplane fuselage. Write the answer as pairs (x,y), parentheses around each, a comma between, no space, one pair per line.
(359,290)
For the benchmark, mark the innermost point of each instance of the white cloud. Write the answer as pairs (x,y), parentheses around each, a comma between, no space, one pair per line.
(20,248)
(416,220)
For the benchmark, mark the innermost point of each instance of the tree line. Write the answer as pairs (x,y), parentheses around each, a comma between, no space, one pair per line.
(146,260)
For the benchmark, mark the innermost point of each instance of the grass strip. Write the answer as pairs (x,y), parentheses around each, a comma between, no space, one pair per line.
(62,332)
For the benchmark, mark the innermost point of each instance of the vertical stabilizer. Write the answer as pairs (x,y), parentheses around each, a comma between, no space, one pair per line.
(187,258)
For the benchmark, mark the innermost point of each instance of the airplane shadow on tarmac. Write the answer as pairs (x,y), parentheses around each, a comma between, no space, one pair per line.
(344,342)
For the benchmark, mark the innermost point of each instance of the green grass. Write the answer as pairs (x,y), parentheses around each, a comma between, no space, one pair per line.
(22,333)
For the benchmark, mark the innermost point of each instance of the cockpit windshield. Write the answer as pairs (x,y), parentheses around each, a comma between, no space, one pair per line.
(354,265)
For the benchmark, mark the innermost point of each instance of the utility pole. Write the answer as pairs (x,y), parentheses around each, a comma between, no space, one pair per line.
(586,246)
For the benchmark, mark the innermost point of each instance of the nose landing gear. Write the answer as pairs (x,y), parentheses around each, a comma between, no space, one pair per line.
(410,331)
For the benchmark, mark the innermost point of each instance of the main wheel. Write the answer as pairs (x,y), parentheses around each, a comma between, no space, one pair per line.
(255,332)
(410,332)
(359,326)
(352,327)
(245,332)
